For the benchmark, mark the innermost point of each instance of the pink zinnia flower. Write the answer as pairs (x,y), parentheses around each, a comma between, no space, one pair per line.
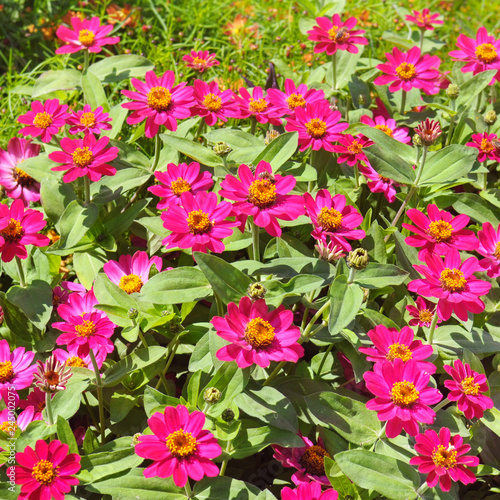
(467,388)
(179,446)
(489,247)
(17,183)
(285,103)
(351,149)
(88,121)
(159,102)
(424,19)
(257,335)
(333,35)
(180,179)
(47,471)
(35,399)
(212,104)
(85,157)
(378,183)
(262,195)
(44,120)
(19,227)
(72,358)
(318,126)
(443,458)
(255,104)
(388,126)
(439,232)
(331,216)
(22,420)
(199,223)
(85,35)
(480,54)
(308,491)
(423,313)
(131,272)
(453,283)
(309,460)
(391,344)
(16,369)
(408,70)
(486,148)
(402,395)
(200,60)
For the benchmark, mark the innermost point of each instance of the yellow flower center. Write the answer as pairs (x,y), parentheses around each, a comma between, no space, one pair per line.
(181,444)
(445,457)
(44,472)
(180,186)
(296,101)
(6,371)
(486,52)
(42,120)
(316,128)
(199,222)
(355,147)
(469,386)
(406,71)
(487,145)
(131,283)
(159,98)
(497,251)
(440,230)
(313,460)
(404,394)
(86,37)
(385,179)
(88,119)
(400,351)
(199,62)
(23,178)
(425,316)
(385,129)
(8,427)
(212,102)
(257,105)
(330,219)
(86,329)
(338,34)
(13,232)
(259,333)
(452,280)
(52,377)
(76,361)
(423,18)
(262,193)
(82,157)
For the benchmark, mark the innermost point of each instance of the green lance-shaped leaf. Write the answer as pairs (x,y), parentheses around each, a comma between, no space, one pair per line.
(380,275)
(193,150)
(118,68)
(279,150)
(346,299)
(53,80)
(473,87)
(389,164)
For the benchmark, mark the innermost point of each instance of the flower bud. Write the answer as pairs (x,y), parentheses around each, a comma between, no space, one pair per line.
(361,100)
(453,91)
(270,136)
(329,252)
(357,258)
(135,439)
(417,141)
(221,148)
(211,395)
(490,117)
(227,415)
(132,313)
(256,291)
(428,131)
(52,376)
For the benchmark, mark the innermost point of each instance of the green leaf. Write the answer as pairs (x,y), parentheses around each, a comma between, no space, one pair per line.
(118,68)
(154,399)
(380,276)
(457,338)
(120,406)
(93,91)
(346,299)
(477,208)
(65,434)
(473,87)
(110,188)
(340,482)
(388,164)
(117,223)
(193,150)
(90,442)
(17,322)
(55,197)
(66,403)
(88,264)
(235,138)
(279,150)
(39,167)
(224,488)
(52,80)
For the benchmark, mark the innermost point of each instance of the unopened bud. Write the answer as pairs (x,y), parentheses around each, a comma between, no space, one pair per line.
(357,258)
(221,148)
(417,141)
(453,91)
(329,252)
(211,395)
(135,439)
(256,291)
(227,415)
(490,117)
(361,100)
(270,136)
(132,313)
(428,131)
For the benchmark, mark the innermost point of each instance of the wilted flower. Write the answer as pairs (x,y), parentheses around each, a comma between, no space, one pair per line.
(52,376)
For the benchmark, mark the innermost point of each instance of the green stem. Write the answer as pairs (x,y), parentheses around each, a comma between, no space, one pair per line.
(423,488)
(170,359)
(255,242)
(157,151)
(452,125)
(223,467)
(91,413)
(20,271)
(334,72)
(199,130)
(323,361)
(253,128)
(220,305)
(85,61)
(143,339)
(422,31)
(352,273)
(356,176)
(187,488)
(440,405)
(421,165)
(48,405)
(309,327)
(484,178)
(435,318)
(403,103)
(86,183)
(274,373)
(98,382)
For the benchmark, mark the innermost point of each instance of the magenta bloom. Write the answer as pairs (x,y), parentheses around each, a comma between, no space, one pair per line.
(17,183)
(424,20)
(351,149)
(308,491)
(423,313)
(318,126)
(285,103)
(262,195)
(330,216)
(407,70)
(453,283)
(44,120)
(443,459)
(72,358)
(486,149)
(200,60)
(85,157)
(159,102)
(402,396)
(16,369)
(309,460)
(88,121)
(256,105)
(47,471)
(467,388)
(22,420)
(257,335)
(19,227)
(131,272)
(212,104)
(378,183)
(179,446)
(333,35)
(489,247)
(199,223)
(35,399)
(439,232)
(480,54)
(388,126)
(180,179)
(85,35)
(390,344)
